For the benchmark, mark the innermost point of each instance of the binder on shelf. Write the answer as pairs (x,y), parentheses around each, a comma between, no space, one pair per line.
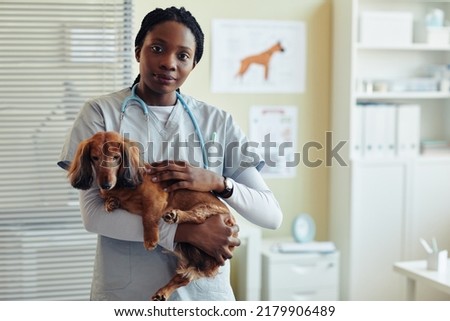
(357,143)
(371,125)
(379,130)
(390,117)
(408,130)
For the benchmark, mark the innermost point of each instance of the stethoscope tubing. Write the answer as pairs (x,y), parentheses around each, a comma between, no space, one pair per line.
(134,98)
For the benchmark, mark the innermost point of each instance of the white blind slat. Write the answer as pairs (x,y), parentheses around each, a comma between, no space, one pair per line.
(54,56)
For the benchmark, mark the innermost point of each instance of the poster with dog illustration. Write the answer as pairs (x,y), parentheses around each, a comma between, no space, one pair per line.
(258,56)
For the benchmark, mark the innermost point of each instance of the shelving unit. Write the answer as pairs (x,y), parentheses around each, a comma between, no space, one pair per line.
(412,47)
(399,95)
(380,207)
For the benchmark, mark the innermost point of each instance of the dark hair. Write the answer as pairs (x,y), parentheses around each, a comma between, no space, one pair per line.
(181,15)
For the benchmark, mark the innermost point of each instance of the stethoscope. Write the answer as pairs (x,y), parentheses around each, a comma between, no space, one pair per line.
(134,98)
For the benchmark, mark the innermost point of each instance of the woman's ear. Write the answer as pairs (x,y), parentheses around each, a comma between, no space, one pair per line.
(137,53)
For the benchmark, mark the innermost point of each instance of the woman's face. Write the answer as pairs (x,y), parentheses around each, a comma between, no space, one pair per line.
(166,59)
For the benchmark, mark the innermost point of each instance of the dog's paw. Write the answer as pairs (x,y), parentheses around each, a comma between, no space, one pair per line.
(150,245)
(159,297)
(111,204)
(171,217)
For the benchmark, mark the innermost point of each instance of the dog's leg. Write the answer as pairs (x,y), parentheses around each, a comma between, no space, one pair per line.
(244,66)
(266,71)
(111,203)
(196,215)
(166,291)
(151,232)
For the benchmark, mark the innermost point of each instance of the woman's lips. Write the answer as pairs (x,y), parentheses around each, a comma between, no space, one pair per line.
(162,78)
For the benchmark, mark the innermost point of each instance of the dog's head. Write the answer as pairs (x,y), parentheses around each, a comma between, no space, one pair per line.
(279,47)
(109,159)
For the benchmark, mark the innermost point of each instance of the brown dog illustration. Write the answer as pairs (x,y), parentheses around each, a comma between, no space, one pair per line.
(261,59)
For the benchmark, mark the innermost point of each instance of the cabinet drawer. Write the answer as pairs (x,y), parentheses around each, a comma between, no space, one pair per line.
(321,273)
(291,294)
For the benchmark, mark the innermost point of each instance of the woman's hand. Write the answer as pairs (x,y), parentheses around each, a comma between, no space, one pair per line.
(214,237)
(174,175)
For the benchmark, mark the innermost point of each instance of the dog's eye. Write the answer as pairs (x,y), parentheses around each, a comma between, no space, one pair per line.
(116,157)
(94,158)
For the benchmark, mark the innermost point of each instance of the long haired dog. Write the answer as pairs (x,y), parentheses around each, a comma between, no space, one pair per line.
(114,164)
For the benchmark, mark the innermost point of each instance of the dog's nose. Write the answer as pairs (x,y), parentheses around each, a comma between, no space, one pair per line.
(105,186)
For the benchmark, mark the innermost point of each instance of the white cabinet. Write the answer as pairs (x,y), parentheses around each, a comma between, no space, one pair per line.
(376,231)
(380,206)
(299,276)
(431,203)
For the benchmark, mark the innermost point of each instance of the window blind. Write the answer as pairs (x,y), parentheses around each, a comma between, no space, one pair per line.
(54,55)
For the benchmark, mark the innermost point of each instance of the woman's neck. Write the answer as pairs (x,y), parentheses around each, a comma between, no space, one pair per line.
(155,99)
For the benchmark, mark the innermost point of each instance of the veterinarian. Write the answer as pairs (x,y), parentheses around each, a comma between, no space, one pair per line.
(168,46)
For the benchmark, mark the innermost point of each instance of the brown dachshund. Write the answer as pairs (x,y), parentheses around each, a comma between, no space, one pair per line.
(120,174)
(262,58)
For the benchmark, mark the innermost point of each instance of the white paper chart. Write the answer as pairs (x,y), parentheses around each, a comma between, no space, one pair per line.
(275,126)
(258,56)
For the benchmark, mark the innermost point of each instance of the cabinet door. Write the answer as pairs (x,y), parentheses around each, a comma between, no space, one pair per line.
(313,273)
(378,191)
(298,294)
(431,209)
(430,214)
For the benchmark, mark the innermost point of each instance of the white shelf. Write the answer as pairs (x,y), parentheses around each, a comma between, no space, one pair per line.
(422,158)
(412,47)
(403,95)
(425,158)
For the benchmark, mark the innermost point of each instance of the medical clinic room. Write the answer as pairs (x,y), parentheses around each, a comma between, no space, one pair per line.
(267,151)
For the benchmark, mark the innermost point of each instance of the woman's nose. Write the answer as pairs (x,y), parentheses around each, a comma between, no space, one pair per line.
(168,62)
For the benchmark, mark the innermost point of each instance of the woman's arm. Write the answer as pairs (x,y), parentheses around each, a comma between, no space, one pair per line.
(214,236)
(118,224)
(251,197)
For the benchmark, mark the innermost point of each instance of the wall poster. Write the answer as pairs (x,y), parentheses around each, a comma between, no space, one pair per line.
(258,56)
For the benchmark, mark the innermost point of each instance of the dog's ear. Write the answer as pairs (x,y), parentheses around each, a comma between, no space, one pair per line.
(131,172)
(80,171)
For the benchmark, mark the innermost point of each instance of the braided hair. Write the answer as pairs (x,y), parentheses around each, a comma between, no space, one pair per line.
(181,15)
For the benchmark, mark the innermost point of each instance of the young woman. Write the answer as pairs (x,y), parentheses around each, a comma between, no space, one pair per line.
(168,47)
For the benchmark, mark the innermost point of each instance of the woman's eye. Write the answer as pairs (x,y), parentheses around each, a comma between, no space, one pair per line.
(156,49)
(94,158)
(183,56)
